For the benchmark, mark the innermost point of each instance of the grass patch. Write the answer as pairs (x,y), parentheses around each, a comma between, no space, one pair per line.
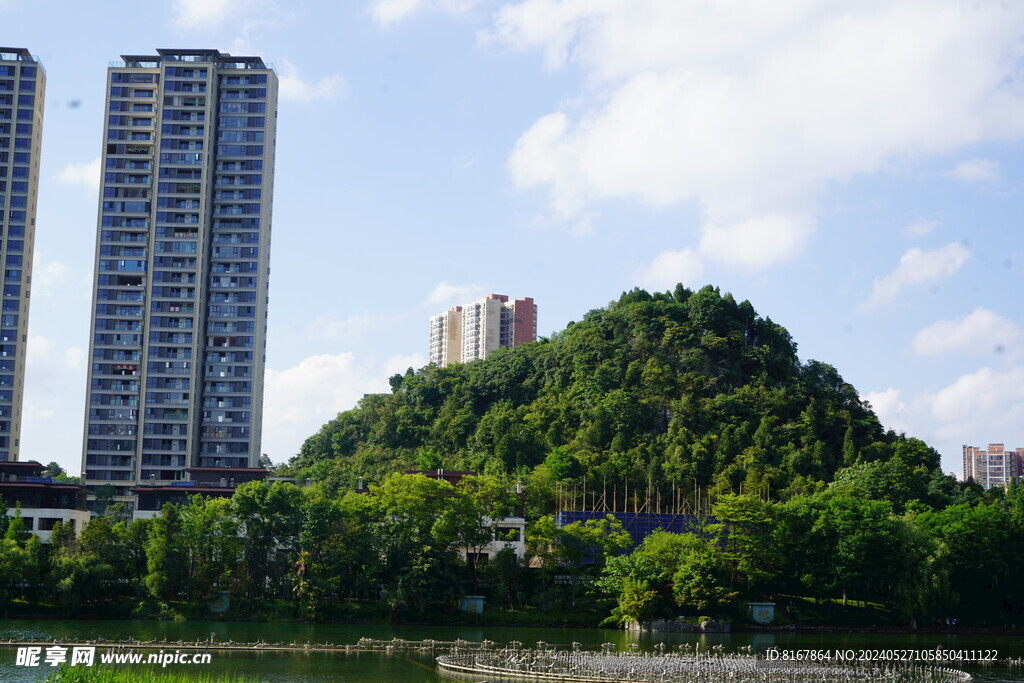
(79,674)
(805,611)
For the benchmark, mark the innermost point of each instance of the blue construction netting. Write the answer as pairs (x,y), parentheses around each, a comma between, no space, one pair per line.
(640,525)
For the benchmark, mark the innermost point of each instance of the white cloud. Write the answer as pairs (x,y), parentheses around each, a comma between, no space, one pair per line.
(921,227)
(242,44)
(54,390)
(584,224)
(671,267)
(85,174)
(345,329)
(891,411)
(388,12)
(453,295)
(981,405)
(985,406)
(299,400)
(982,331)
(74,357)
(42,354)
(205,14)
(536,161)
(749,109)
(49,278)
(917,265)
(750,244)
(246,17)
(976,171)
(755,242)
(39,347)
(294,87)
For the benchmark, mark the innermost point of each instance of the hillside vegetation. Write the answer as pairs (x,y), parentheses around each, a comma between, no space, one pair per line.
(688,401)
(654,392)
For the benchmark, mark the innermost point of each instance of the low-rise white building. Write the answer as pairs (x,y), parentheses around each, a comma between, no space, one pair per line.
(42,501)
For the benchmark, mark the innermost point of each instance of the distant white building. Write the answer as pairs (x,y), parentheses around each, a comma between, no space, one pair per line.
(993,467)
(509,532)
(475,330)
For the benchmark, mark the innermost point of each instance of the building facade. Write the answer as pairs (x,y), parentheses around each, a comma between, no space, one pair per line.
(22,89)
(41,501)
(993,467)
(446,337)
(475,330)
(182,268)
(209,482)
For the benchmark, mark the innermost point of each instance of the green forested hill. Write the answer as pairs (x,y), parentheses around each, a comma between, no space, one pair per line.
(672,389)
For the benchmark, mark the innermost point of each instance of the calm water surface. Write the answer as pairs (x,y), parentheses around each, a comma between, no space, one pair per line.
(321,667)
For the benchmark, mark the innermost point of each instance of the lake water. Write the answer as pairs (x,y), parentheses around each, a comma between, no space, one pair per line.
(321,667)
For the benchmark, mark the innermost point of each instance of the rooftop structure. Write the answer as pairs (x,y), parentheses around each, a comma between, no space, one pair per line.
(212,482)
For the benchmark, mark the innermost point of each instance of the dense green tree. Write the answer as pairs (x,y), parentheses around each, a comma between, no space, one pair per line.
(338,552)
(104,497)
(19,558)
(166,562)
(979,548)
(700,583)
(269,517)
(588,542)
(416,541)
(97,564)
(844,545)
(54,470)
(668,571)
(891,480)
(211,544)
(744,530)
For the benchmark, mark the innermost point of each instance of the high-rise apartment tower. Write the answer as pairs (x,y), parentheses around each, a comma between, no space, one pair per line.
(475,330)
(182,267)
(22,87)
(993,467)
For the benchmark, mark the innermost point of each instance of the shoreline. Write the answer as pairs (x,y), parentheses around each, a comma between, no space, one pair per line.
(930,630)
(1010,630)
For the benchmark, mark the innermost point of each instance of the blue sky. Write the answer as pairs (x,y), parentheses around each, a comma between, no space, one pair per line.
(854,169)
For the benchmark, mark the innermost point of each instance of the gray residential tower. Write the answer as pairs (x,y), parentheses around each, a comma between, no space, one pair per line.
(22,87)
(182,267)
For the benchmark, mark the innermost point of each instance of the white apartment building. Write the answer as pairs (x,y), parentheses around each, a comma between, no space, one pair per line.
(993,467)
(475,330)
